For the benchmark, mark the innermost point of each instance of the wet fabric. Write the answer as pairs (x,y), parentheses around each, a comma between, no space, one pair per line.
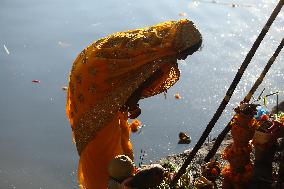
(105,75)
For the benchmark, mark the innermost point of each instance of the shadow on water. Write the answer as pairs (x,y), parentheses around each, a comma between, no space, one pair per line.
(42,39)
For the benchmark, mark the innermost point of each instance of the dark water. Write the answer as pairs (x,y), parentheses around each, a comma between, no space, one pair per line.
(42,38)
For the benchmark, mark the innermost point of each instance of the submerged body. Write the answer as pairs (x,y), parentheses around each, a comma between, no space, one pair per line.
(107,80)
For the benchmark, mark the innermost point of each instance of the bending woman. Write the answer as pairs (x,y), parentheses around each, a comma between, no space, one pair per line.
(107,80)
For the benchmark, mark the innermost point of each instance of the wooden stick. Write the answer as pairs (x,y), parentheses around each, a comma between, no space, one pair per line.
(265,70)
(228,96)
(225,131)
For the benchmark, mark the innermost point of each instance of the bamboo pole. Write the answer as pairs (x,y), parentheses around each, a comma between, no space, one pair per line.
(265,70)
(259,80)
(228,96)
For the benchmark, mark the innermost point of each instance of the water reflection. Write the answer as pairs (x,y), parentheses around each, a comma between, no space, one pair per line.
(43,38)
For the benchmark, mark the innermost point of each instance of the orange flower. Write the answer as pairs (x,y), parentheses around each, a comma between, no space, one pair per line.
(226,171)
(135,125)
(177,96)
(281,119)
(214,172)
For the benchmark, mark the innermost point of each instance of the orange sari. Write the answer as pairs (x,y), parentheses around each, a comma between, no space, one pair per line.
(105,75)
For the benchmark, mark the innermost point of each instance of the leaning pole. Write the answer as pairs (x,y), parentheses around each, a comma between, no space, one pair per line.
(228,95)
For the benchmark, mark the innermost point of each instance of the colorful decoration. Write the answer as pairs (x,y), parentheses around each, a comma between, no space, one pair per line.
(211,170)
(265,147)
(134,126)
(238,173)
(261,111)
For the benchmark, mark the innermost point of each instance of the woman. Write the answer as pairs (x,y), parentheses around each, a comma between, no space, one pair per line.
(107,80)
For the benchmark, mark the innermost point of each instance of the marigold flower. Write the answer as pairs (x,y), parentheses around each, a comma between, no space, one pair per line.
(135,125)
(214,172)
(177,96)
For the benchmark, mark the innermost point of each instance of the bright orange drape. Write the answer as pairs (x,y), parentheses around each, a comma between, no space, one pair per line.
(104,76)
(112,140)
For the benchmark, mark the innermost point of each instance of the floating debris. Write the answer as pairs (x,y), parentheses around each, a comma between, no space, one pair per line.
(36,81)
(64,88)
(6,49)
(184,138)
(177,96)
(223,3)
(63,44)
(182,14)
(96,24)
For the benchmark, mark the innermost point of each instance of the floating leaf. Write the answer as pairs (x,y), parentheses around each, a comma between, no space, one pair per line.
(6,49)
(36,81)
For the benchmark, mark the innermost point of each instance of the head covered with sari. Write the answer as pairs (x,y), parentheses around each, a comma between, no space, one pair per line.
(109,71)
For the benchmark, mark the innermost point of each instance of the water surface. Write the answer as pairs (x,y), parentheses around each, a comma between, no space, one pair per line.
(44,37)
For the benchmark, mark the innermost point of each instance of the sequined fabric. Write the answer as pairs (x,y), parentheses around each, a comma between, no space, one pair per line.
(106,73)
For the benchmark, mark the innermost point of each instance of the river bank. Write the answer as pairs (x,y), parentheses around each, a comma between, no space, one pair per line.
(188,181)
(175,161)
